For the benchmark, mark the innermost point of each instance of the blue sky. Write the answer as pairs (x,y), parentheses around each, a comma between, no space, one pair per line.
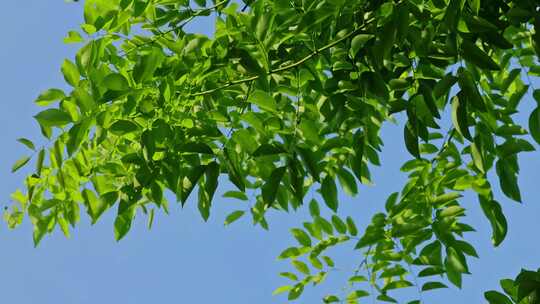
(182,259)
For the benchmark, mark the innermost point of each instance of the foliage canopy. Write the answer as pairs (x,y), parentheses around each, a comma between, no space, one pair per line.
(290,95)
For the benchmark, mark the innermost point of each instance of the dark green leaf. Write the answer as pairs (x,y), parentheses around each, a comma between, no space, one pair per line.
(469,90)
(358,43)
(122,127)
(188,182)
(460,117)
(268,149)
(347,181)
(508,180)
(233,217)
(470,52)
(534,124)
(351,226)
(296,292)
(411,139)
(495,297)
(433,285)
(513,146)
(270,188)
(493,211)
(329,193)
(20,163)
(28,143)
(340,226)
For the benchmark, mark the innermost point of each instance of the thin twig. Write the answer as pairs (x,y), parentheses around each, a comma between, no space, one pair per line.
(161,34)
(287,67)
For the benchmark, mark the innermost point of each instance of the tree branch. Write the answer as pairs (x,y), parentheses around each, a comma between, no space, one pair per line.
(287,67)
(161,34)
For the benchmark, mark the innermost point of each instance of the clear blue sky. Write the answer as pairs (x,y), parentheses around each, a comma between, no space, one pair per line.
(183,260)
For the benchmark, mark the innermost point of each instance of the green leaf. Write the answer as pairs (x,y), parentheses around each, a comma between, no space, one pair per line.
(357,279)
(475,6)
(411,140)
(268,149)
(263,100)
(452,211)
(469,90)
(443,86)
(314,209)
(477,157)
(78,134)
(455,261)
(301,236)
(536,96)
(351,226)
(39,162)
(330,299)
(433,285)
(508,180)
(95,205)
(195,147)
(495,297)
(28,143)
(358,43)
(399,84)
(264,23)
(460,117)
(188,182)
(534,125)
(493,211)
(49,96)
(446,197)
(397,285)
(236,194)
(53,118)
(20,163)
(357,294)
(73,37)
(208,189)
(123,127)
(465,248)
(311,161)
(347,181)
(310,131)
(115,82)
(291,252)
(340,226)
(296,292)
(329,193)
(301,267)
(147,65)
(270,188)
(71,73)
(385,298)
(289,275)
(513,146)
(470,52)
(233,217)
(122,225)
(282,289)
